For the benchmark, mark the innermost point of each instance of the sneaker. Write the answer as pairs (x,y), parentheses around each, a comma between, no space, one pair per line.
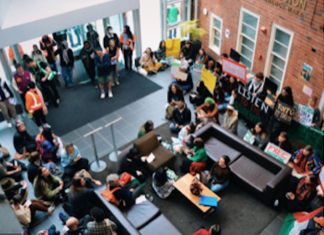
(110,94)
(58,101)
(46,125)
(40,129)
(60,217)
(9,124)
(112,84)
(117,83)
(149,197)
(51,209)
(103,95)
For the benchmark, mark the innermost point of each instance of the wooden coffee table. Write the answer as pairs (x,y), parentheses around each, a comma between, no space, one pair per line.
(183,186)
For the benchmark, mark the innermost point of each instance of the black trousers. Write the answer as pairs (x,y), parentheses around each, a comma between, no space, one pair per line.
(91,71)
(39,117)
(49,91)
(185,167)
(128,58)
(82,163)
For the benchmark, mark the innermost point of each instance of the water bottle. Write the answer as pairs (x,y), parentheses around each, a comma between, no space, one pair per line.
(276,203)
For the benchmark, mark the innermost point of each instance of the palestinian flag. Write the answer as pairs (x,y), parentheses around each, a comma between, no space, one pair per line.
(296,222)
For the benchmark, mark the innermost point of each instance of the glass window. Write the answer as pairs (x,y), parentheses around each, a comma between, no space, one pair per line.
(176,14)
(215,39)
(250,20)
(247,52)
(217,23)
(248,31)
(280,50)
(282,37)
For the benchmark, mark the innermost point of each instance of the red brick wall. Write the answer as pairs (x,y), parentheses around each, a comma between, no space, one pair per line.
(307,34)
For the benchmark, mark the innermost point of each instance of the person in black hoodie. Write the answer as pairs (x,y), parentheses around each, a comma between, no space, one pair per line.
(197,98)
(283,142)
(276,126)
(181,117)
(87,55)
(23,142)
(34,163)
(110,36)
(134,165)
(175,94)
(188,52)
(67,63)
(256,86)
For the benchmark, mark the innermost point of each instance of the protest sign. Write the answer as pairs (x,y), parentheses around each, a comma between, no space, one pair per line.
(209,79)
(278,153)
(198,67)
(249,137)
(234,69)
(304,115)
(181,75)
(284,112)
(172,47)
(174,66)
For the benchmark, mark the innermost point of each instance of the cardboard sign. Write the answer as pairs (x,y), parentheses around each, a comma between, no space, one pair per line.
(304,115)
(181,75)
(278,153)
(234,69)
(198,67)
(209,79)
(252,108)
(284,112)
(173,47)
(249,137)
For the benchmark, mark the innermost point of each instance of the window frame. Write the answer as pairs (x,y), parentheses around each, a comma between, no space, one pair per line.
(269,57)
(211,44)
(240,34)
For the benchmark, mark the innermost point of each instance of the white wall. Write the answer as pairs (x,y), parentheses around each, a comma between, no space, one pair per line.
(150,16)
(4,7)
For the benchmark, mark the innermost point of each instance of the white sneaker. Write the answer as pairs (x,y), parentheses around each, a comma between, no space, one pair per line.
(46,126)
(117,83)
(103,95)
(40,129)
(112,84)
(58,101)
(51,209)
(110,94)
(9,124)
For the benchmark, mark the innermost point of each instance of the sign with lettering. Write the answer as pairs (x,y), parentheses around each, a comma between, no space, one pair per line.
(284,112)
(304,115)
(249,137)
(234,69)
(294,6)
(278,153)
(209,79)
(252,108)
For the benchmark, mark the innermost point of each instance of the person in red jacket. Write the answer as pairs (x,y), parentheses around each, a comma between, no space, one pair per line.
(214,230)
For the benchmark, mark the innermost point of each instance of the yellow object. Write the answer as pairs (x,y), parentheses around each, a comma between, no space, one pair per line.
(209,79)
(173,47)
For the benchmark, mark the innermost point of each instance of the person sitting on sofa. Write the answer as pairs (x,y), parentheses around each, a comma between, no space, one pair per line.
(196,154)
(230,120)
(145,128)
(175,94)
(181,116)
(220,174)
(160,183)
(72,161)
(197,98)
(34,163)
(260,135)
(202,58)
(283,142)
(213,230)
(305,161)
(135,165)
(207,112)
(11,188)
(100,225)
(82,196)
(219,98)
(181,144)
(23,142)
(147,61)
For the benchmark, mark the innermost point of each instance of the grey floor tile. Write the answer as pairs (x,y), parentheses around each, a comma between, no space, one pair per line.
(105,132)
(81,144)
(129,133)
(122,124)
(41,225)
(137,105)
(103,147)
(97,138)
(283,215)
(55,219)
(110,117)
(87,153)
(265,232)
(70,137)
(124,111)
(275,226)
(98,123)
(139,123)
(118,138)
(130,119)
(84,130)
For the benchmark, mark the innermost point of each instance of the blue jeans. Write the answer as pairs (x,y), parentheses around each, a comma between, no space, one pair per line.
(53,67)
(67,75)
(217,187)
(165,62)
(174,33)
(174,129)
(222,106)
(52,231)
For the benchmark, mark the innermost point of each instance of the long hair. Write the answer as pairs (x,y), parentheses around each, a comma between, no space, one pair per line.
(48,134)
(128,32)
(286,142)
(147,126)
(264,131)
(76,186)
(40,178)
(151,53)
(160,46)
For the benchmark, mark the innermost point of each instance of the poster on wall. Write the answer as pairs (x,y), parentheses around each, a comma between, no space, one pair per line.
(234,69)
(284,112)
(278,153)
(306,72)
(303,115)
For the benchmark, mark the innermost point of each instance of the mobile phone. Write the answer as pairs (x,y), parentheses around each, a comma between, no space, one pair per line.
(288,196)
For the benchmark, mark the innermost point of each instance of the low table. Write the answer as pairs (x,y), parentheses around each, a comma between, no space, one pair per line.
(183,186)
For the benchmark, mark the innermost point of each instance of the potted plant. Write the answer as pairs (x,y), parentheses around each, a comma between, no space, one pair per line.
(191,27)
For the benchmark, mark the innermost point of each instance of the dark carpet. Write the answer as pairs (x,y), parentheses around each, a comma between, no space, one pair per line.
(238,212)
(83,104)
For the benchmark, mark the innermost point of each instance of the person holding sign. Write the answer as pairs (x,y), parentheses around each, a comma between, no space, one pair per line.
(207,112)
(202,58)
(187,84)
(283,142)
(256,86)
(147,61)
(197,98)
(305,161)
(228,84)
(312,103)
(260,135)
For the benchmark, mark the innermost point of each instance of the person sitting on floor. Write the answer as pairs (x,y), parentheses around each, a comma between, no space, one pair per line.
(187,51)
(186,85)
(160,55)
(11,169)
(73,226)
(145,128)
(202,58)
(100,225)
(196,154)
(182,143)
(283,142)
(34,163)
(260,135)
(220,174)
(305,161)
(25,213)
(230,120)
(214,230)
(228,84)
(71,160)
(48,147)
(135,165)
(147,61)
(160,183)
(210,66)
(23,142)
(175,94)
(207,112)
(219,98)
(11,188)
(82,196)
(47,186)
(197,98)
(181,116)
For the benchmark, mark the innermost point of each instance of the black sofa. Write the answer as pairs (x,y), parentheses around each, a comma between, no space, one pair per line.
(254,170)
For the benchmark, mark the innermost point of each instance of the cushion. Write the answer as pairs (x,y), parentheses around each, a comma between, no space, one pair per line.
(147,143)
(216,149)
(251,173)
(163,157)
(160,226)
(141,214)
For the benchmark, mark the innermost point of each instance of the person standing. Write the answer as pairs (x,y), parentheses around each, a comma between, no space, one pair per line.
(110,36)
(66,63)
(47,46)
(20,81)
(173,13)
(6,102)
(93,37)
(44,76)
(87,55)
(113,52)
(38,55)
(102,62)
(11,54)
(127,41)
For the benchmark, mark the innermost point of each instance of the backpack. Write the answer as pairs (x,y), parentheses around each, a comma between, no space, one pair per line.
(109,195)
